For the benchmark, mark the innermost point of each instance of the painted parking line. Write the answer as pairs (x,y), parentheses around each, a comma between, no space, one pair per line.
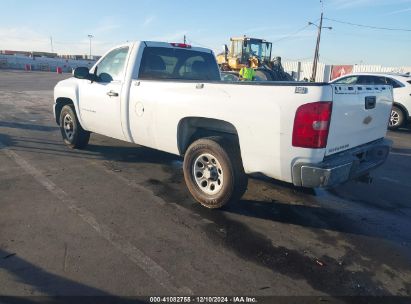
(135,255)
(399,154)
(391,180)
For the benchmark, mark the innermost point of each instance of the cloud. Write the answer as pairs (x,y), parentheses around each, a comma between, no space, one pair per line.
(309,33)
(149,20)
(346,4)
(399,11)
(104,26)
(170,37)
(22,38)
(27,39)
(350,4)
(262,29)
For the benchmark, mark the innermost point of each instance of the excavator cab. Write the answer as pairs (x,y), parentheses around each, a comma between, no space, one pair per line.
(257,48)
(258,53)
(245,49)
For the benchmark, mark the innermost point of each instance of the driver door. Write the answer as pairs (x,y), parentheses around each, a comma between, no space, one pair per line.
(100,101)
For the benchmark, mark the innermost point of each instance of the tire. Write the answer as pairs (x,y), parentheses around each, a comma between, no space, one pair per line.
(397,118)
(74,135)
(213,171)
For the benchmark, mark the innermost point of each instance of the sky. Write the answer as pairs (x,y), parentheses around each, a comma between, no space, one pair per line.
(28,25)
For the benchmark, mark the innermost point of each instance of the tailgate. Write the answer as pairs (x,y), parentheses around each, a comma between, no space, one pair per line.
(360,115)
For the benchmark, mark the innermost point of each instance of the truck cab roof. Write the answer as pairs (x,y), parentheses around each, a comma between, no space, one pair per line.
(175,45)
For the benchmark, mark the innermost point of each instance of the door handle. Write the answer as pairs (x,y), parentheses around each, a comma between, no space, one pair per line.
(112,94)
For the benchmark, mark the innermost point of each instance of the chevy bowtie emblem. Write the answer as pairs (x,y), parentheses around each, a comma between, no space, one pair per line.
(367,120)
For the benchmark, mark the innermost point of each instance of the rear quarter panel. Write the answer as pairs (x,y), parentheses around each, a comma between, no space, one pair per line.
(403,97)
(262,115)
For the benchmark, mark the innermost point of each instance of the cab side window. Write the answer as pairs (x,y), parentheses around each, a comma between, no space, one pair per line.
(379,80)
(348,80)
(372,80)
(395,84)
(365,80)
(111,67)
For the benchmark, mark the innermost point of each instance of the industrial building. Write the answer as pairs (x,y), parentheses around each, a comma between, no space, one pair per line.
(43,61)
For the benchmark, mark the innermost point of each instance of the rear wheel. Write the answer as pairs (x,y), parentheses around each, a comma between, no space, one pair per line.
(74,135)
(397,118)
(213,171)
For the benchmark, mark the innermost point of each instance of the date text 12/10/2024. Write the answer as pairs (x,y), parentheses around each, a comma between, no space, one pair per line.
(203,300)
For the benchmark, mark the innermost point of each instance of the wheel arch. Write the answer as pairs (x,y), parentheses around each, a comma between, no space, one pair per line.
(192,128)
(403,109)
(60,103)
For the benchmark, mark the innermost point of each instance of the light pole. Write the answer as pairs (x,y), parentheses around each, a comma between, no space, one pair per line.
(317,47)
(51,43)
(90,37)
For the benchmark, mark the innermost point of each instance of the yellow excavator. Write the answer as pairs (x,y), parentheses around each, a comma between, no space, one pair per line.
(258,53)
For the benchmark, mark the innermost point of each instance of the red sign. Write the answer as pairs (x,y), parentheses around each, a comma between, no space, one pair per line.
(340,70)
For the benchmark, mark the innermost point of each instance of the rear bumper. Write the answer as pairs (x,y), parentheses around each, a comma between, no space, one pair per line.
(342,167)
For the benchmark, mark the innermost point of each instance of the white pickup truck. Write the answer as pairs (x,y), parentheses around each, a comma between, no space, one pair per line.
(169,96)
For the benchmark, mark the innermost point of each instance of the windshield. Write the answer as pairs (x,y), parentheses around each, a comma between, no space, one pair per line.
(258,48)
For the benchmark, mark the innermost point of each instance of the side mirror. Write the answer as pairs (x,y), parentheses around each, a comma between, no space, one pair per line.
(81,73)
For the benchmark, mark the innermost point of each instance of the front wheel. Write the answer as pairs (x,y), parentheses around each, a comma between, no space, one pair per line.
(396,119)
(213,171)
(74,135)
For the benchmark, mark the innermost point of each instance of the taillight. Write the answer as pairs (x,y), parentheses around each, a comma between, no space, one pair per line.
(311,125)
(181,45)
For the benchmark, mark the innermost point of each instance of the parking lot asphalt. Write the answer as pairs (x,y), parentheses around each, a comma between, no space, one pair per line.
(116,219)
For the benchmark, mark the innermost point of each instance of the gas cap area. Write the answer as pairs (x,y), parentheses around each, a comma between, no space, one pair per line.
(139,109)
